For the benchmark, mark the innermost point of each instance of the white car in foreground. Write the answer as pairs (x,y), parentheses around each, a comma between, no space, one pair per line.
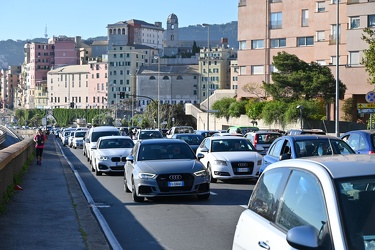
(230,157)
(325,202)
(109,154)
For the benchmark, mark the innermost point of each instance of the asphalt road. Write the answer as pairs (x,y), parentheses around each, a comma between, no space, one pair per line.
(165,223)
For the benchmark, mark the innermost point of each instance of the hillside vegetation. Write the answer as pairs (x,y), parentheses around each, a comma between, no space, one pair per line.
(12,52)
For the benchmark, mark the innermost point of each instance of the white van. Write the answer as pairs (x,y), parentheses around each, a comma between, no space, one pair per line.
(93,134)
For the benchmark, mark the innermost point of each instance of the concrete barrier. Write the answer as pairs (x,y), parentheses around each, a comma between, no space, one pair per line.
(12,159)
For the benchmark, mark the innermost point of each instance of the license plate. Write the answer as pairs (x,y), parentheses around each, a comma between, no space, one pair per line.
(175,184)
(119,164)
(242,170)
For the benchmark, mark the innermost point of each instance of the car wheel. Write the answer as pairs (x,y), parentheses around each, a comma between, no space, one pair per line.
(92,168)
(97,172)
(212,179)
(84,153)
(135,197)
(127,190)
(203,196)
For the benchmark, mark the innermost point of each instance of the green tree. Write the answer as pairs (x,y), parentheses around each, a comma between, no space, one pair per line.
(296,79)
(347,108)
(254,109)
(369,54)
(238,108)
(222,107)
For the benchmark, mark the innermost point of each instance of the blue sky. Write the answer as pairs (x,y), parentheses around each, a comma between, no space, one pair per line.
(23,19)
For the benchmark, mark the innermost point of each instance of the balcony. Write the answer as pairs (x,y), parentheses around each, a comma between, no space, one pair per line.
(241,3)
(352,1)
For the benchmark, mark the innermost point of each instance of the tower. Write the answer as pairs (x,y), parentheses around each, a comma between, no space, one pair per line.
(171,41)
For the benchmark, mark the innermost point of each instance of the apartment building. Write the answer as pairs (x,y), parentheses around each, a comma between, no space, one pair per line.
(308,30)
(131,44)
(83,85)
(214,66)
(9,80)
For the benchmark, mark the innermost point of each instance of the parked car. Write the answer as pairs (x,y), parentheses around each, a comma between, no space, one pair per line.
(262,139)
(361,141)
(92,136)
(194,140)
(165,167)
(230,157)
(145,134)
(206,133)
(317,203)
(308,145)
(109,154)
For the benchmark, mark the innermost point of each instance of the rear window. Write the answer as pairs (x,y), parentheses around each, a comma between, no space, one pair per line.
(266,138)
(95,135)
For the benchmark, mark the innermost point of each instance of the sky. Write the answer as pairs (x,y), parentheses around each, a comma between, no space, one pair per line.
(23,19)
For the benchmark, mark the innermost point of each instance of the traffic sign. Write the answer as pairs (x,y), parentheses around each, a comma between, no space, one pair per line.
(366,111)
(365,105)
(370,97)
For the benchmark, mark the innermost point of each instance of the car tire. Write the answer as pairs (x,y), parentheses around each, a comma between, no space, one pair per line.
(126,189)
(203,196)
(97,172)
(212,179)
(135,197)
(92,168)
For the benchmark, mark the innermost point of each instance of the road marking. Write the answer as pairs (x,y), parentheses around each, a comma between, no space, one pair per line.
(244,206)
(213,193)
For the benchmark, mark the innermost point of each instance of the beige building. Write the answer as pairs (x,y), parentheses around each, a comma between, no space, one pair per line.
(215,65)
(308,30)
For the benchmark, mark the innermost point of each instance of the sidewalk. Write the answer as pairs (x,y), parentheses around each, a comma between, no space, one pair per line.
(51,211)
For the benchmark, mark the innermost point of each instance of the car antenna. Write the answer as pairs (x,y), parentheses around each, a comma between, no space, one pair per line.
(329,139)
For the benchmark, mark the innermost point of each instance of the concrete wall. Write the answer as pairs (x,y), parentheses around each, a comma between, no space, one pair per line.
(12,160)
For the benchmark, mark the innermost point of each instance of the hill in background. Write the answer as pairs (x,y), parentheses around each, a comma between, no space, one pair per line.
(12,52)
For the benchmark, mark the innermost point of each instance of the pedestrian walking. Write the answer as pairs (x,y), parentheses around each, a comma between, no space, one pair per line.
(40,138)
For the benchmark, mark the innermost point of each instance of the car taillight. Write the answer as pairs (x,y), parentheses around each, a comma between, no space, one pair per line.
(255,140)
(371,152)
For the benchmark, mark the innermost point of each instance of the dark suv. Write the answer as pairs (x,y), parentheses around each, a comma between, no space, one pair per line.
(262,139)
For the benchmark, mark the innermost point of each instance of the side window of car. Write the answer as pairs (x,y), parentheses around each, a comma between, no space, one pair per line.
(303,203)
(276,148)
(264,199)
(353,141)
(207,143)
(362,142)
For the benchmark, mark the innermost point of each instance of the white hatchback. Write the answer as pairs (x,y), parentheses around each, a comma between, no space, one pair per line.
(323,202)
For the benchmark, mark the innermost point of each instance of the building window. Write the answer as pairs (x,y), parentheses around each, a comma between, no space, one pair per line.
(321,62)
(320,36)
(305,18)
(276,20)
(333,60)
(165,78)
(152,78)
(257,44)
(354,22)
(243,70)
(273,69)
(278,42)
(371,21)
(276,1)
(354,58)
(320,6)
(257,69)
(305,41)
(242,45)
(179,78)
(335,1)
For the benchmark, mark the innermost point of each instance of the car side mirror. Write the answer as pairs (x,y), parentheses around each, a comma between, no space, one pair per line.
(200,156)
(303,237)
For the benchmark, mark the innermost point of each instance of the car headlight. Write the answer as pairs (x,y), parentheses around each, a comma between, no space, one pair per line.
(103,158)
(220,162)
(146,176)
(201,173)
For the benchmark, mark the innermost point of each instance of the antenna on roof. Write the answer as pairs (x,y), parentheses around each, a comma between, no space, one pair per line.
(45,32)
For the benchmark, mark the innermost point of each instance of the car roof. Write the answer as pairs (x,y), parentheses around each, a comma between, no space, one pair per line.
(363,131)
(304,137)
(339,166)
(104,128)
(227,137)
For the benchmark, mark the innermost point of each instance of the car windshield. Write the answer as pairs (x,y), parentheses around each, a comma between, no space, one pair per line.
(190,139)
(357,205)
(319,147)
(266,138)
(96,135)
(116,143)
(224,145)
(164,151)
(80,134)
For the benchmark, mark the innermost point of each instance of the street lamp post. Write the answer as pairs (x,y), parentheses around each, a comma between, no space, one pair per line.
(300,107)
(208,74)
(158,121)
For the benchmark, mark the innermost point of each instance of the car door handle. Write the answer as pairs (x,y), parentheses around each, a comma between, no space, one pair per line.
(264,245)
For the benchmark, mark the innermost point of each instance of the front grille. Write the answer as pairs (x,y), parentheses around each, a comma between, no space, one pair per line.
(163,180)
(237,165)
(115,159)
(117,167)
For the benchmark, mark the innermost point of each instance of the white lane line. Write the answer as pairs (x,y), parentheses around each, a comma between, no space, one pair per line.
(213,193)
